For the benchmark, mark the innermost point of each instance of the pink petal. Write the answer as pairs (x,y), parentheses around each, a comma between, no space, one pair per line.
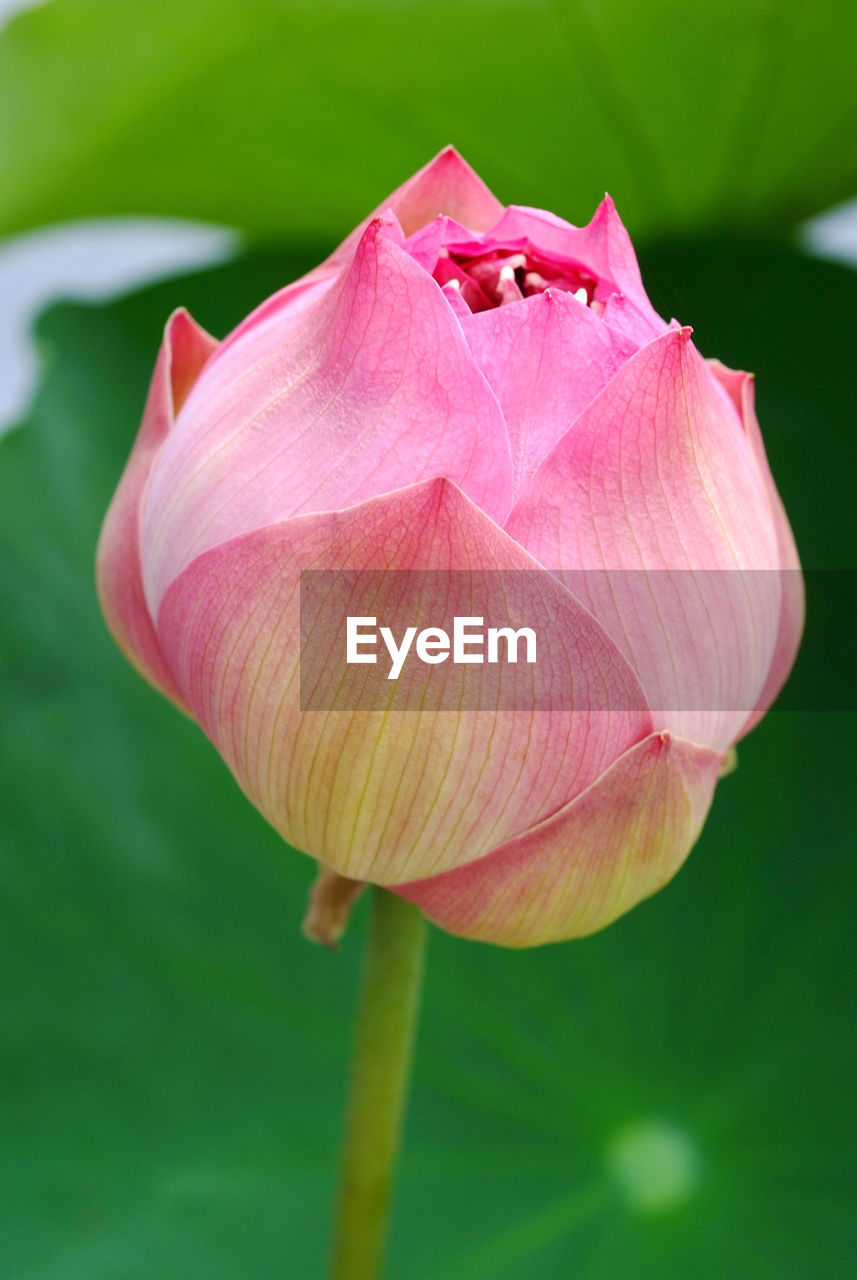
(657,475)
(299,296)
(615,844)
(371,388)
(445,186)
(545,360)
(603,246)
(425,246)
(455,298)
(185,349)
(741,389)
(388,795)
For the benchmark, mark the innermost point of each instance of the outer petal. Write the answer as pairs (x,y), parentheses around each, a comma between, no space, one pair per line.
(185,349)
(386,795)
(603,246)
(741,389)
(658,481)
(446,185)
(545,359)
(614,845)
(371,388)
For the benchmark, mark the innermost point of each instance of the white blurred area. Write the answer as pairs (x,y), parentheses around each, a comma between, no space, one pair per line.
(10,7)
(833,234)
(102,258)
(91,259)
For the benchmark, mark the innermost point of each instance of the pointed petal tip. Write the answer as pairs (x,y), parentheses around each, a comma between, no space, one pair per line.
(377,224)
(450,154)
(606,213)
(185,348)
(678,338)
(739,385)
(446,185)
(451,159)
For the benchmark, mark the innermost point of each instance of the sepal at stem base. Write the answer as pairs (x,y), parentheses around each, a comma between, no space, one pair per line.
(330,903)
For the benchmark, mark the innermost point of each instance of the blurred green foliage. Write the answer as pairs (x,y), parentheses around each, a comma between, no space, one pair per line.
(293,117)
(670,1098)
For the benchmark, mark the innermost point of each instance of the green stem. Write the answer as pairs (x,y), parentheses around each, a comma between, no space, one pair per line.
(380,1069)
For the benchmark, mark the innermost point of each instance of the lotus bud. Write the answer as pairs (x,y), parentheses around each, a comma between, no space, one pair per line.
(462,394)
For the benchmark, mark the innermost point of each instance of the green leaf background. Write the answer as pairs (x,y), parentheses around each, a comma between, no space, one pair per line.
(293,116)
(670,1098)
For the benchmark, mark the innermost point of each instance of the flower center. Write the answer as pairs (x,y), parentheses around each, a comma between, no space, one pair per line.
(500,276)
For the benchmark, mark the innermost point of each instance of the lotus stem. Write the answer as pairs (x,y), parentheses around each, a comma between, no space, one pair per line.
(387,1012)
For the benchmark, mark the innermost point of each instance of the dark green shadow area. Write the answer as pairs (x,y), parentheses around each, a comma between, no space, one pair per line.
(671,1098)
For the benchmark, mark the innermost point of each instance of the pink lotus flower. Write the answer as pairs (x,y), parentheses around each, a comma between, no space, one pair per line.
(464,386)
